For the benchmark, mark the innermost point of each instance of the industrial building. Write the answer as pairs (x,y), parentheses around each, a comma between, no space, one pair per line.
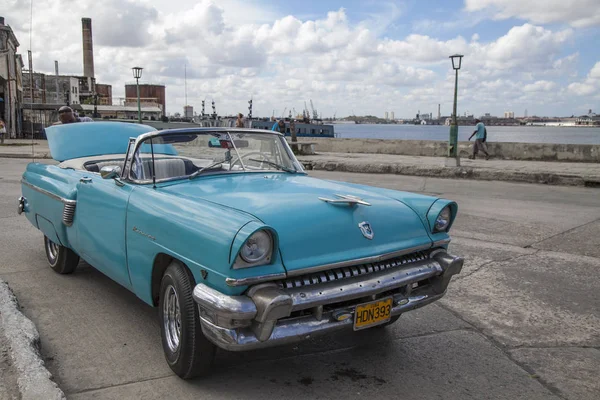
(150,95)
(104,93)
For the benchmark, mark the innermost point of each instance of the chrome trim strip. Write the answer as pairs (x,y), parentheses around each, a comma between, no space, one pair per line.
(358,261)
(47,193)
(441,242)
(254,279)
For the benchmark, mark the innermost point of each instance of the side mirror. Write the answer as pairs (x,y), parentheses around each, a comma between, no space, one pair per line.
(110,172)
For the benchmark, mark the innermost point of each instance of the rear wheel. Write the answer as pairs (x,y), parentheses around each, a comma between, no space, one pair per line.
(62,259)
(188,352)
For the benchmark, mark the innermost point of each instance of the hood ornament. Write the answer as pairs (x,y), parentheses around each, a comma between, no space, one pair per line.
(366,230)
(345,199)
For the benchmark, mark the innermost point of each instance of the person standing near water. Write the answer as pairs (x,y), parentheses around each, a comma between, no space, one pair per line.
(480,136)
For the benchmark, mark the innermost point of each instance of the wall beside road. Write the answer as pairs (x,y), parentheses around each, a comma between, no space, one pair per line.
(434,148)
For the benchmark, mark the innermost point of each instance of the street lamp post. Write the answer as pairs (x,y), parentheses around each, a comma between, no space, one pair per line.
(453,160)
(137,74)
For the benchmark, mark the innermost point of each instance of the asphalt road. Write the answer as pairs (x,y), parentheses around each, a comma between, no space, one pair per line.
(522,321)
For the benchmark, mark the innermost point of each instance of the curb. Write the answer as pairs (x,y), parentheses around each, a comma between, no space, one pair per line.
(21,336)
(25,155)
(455,173)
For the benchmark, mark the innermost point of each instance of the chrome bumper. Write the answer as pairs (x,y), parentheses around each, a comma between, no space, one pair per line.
(263,317)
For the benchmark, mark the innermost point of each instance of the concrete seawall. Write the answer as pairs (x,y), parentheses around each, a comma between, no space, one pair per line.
(434,148)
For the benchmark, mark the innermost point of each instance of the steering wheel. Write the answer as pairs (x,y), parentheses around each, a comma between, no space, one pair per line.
(249,155)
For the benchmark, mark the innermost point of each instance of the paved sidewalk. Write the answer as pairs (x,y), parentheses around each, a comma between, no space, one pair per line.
(548,172)
(24,148)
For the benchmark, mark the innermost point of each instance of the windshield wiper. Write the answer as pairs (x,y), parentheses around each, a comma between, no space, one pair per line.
(278,166)
(195,174)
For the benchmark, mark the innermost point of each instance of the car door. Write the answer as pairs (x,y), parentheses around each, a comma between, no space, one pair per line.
(100,220)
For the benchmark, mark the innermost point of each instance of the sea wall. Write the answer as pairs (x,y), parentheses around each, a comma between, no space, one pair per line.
(435,148)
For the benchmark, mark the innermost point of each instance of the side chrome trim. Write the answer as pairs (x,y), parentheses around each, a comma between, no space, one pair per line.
(49,194)
(441,242)
(358,261)
(254,279)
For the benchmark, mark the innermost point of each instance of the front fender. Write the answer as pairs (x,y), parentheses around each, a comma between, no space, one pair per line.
(196,232)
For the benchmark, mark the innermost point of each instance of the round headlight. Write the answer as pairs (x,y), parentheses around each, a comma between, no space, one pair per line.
(443,220)
(257,247)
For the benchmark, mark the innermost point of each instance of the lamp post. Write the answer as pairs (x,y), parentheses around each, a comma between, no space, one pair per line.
(137,74)
(453,160)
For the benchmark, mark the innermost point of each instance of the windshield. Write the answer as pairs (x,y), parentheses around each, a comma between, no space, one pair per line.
(189,155)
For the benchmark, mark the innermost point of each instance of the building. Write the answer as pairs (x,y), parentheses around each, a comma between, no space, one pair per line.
(70,89)
(188,112)
(392,116)
(509,114)
(45,89)
(149,95)
(104,94)
(386,116)
(11,86)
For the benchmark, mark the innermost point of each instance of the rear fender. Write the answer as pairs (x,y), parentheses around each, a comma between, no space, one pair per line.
(48,190)
(48,229)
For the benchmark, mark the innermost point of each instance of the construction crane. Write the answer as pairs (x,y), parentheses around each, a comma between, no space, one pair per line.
(283,113)
(314,112)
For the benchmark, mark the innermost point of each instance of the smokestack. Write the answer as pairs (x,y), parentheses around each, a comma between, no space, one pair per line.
(88,47)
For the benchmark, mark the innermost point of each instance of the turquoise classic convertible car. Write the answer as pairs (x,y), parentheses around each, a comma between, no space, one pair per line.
(233,243)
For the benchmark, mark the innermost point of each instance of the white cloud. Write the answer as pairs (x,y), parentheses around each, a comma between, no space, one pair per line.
(591,85)
(540,86)
(234,50)
(578,13)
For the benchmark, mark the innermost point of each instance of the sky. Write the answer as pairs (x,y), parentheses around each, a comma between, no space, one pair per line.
(348,57)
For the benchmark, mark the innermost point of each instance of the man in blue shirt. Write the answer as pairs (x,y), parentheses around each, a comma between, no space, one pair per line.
(279,126)
(480,137)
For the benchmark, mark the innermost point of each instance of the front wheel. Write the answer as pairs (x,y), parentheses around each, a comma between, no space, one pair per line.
(188,352)
(62,259)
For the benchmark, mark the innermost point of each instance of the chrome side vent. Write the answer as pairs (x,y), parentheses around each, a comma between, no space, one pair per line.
(350,272)
(69,213)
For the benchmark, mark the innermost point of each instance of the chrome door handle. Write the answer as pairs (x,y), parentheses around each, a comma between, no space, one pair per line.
(85,179)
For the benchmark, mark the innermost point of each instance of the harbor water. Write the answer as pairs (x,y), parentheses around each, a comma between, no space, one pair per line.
(519,134)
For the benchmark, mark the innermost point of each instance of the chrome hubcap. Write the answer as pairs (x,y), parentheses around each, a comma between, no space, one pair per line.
(52,250)
(172,318)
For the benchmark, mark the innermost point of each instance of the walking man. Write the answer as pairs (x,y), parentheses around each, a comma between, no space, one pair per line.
(279,126)
(480,137)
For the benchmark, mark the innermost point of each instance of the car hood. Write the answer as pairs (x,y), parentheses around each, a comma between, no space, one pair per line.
(313,232)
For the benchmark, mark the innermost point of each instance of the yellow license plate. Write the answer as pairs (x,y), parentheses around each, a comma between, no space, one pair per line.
(374,313)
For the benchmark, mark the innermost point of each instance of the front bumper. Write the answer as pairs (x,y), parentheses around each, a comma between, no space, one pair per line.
(271,314)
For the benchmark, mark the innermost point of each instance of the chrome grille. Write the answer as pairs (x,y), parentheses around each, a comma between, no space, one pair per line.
(349,272)
(68,213)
